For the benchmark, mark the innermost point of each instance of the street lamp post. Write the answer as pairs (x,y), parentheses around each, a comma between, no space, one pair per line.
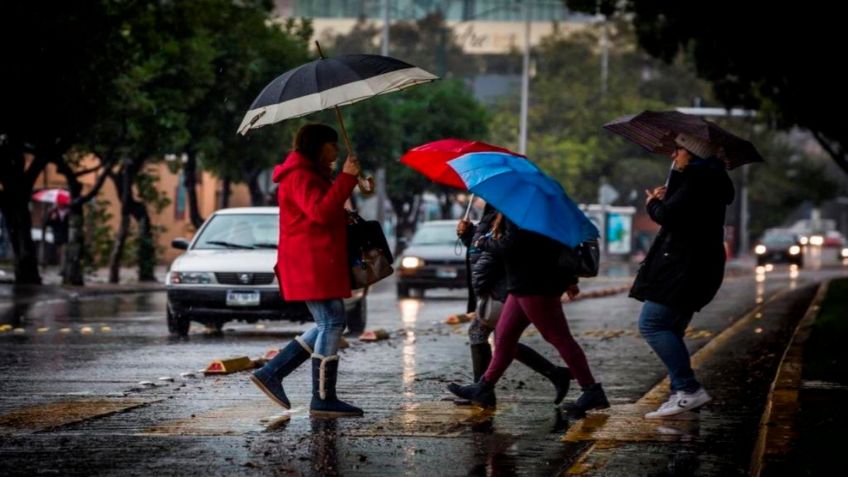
(525,82)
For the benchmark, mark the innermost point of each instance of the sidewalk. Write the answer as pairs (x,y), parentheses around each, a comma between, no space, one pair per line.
(96,284)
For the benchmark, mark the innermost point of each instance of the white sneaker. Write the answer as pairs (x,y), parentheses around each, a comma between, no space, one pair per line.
(680,403)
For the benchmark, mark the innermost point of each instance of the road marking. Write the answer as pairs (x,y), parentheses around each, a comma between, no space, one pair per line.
(47,416)
(242,418)
(430,419)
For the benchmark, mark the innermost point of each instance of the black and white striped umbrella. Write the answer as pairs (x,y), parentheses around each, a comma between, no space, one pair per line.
(330,82)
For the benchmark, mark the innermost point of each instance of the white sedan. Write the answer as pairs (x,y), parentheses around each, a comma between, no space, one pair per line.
(227,273)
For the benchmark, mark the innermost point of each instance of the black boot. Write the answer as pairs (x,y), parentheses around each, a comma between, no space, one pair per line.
(481,356)
(269,378)
(480,393)
(593,397)
(559,376)
(325,403)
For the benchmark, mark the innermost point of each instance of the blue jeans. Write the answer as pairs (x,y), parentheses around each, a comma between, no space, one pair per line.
(330,320)
(663,328)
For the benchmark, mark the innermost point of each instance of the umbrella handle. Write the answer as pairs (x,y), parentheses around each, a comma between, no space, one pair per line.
(468,208)
(366,184)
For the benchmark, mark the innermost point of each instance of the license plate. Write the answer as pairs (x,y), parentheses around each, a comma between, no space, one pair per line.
(242,298)
(446,272)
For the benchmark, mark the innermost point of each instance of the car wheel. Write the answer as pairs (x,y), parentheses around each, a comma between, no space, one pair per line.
(402,291)
(177,325)
(357,318)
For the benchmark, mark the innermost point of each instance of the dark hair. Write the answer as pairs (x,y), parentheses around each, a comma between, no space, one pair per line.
(311,138)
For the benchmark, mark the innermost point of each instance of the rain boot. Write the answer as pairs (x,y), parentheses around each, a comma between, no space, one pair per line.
(269,378)
(325,403)
(481,393)
(481,356)
(559,376)
(593,397)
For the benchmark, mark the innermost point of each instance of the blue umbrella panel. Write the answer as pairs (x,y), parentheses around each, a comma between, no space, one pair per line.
(525,195)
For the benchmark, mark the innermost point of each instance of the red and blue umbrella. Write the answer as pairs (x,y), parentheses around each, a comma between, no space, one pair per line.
(431,159)
(525,195)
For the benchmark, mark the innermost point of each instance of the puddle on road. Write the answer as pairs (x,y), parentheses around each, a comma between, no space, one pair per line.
(42,417)
(243,418)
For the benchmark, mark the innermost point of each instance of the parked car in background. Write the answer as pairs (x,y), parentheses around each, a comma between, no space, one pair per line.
(435,258)
(780,246)
(227,274)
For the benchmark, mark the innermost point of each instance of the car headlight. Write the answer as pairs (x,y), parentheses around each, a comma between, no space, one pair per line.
(794,250)
(805,240)
(760,249)
(845,253)
(190,278)
(817,240)
(411,262)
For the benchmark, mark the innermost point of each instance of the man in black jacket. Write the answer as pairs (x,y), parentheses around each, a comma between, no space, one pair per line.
(685,266)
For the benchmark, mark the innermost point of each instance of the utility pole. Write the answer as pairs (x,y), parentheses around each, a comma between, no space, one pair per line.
(525,82)
(381,171)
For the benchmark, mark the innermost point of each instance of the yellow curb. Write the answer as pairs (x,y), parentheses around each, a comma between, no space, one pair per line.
(777,422)
(229,365)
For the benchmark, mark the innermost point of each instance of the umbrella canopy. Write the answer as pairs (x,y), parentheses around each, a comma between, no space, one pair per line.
(655,131)
(58,197)
(330,82)
(431,159)
(524,194)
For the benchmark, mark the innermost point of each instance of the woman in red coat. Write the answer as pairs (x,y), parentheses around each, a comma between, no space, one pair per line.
(312,264)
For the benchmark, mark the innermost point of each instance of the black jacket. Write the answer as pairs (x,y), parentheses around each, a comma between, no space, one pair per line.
(531,261)
(685,266)
(488,273)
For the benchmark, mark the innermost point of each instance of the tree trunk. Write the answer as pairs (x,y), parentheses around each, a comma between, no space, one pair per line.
(225,193)
(19,226)
(72,272)
(445,205)
(146,250)
(124,187)
(190,183)
(257,197)
(406,220)
(17,181)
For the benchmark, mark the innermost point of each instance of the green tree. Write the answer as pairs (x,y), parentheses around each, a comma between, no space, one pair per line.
(59,61)
(777,57)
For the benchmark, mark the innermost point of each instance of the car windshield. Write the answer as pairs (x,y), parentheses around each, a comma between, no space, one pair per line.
(779,241)
(239,231)
(435,235)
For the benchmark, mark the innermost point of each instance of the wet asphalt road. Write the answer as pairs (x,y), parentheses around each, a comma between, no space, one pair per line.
(71,402)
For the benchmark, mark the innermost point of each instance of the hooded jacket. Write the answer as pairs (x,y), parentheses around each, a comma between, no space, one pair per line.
(312,262)
(684,267)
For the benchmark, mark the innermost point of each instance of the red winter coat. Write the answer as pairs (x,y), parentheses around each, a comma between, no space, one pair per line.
(312,259)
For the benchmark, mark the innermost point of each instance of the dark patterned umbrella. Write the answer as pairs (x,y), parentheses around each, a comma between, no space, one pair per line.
(655,131)
(327,83)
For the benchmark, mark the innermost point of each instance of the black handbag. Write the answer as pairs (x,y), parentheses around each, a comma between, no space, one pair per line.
(582,260)
(368,252)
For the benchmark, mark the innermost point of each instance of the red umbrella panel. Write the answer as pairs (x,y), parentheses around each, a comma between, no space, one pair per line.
(431,159)
(58,197)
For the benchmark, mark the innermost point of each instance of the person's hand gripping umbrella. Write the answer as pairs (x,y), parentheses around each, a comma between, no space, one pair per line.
(329,83)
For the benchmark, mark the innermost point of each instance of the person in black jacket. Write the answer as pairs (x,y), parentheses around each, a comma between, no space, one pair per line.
(535,283)
(684,267)
(488,292)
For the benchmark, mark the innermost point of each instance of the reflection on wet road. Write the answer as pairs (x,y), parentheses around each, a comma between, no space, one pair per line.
(85,357)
